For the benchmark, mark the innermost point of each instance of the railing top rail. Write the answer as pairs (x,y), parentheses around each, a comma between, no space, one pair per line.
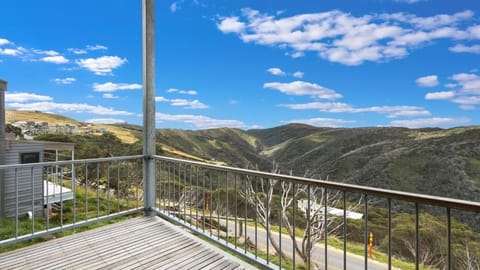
(69,162)
(392,194)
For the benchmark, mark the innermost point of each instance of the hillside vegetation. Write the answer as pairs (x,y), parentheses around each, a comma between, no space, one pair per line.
(443,162)
(430,161)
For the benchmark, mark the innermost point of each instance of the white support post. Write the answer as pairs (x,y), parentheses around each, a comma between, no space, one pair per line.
(148,40)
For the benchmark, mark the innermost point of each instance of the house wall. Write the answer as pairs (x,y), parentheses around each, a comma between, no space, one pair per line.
(30,181)
(3,88)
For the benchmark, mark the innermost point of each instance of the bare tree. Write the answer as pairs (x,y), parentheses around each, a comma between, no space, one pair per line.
(468,260)
(259,193)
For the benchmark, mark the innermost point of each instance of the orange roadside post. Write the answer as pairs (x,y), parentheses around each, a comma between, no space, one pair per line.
(371,244)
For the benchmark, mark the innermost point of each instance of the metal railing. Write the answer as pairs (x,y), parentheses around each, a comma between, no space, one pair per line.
(49,197)
(261,215)
(277,221)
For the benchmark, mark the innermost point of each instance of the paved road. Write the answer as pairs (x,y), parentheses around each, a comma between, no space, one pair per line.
(335,256)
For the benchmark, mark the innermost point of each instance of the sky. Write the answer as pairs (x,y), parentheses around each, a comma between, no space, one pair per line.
(248,64)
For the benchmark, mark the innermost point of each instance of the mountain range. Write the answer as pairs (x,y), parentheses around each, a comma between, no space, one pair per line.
(442,162)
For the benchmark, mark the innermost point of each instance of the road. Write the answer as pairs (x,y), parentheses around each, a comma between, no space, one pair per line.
(335,256)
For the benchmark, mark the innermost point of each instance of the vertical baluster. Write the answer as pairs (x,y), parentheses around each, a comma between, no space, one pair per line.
(118,186)
(245,221)
(218,205)
(210,176)
(308,227)
(74,191)
(190,193)
(344,195)
(98,188)
(417,238)
(137,184)
(168,189)
(128,183)
(184,193)
(86,191)
(108,188)
(294,225)
(236,209)
(47,202)
(280,234)
(32,177)
(61,197)
(204,200)
(389,233)
(267,217)
(449,239)
(226,208)
(196,197)
(365,239)
(256,217)
(16,203)
(325,226)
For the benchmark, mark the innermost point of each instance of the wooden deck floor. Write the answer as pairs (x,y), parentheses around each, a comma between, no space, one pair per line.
(138,243)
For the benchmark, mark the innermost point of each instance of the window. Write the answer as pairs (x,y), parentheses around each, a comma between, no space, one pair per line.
(33,157)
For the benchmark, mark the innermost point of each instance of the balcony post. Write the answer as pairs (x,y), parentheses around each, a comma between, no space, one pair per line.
(148,55)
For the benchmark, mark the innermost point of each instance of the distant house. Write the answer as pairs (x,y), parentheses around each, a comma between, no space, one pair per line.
(24,190)
(314,207)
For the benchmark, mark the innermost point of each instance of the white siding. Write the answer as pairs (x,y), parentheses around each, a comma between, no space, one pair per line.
(30,181)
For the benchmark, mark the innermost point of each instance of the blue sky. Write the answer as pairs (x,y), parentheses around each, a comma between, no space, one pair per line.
(248,64)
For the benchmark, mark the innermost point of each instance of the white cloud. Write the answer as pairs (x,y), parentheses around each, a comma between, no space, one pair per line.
(276,71)
(184,92)
(338,107)
(467,107)
(430,122)
(200,121)
(109,96)
(343,38)
(4,41)
(173,7)
(112,87)
(233,102)
(10,52)
(161,99)
(296,54)
(107,121)
(66,107)
(409,1)
(470,83)
(460,48)
(102,65)
(427,81)
(23,97)
(49,52)
(77,51)
(58,59)
(474,31)
(301,88)
(440,95)
(65,81)
(186,104)
(465,91)
(87,49)
(323,122)
(298,74)
(96,47)
(231,25)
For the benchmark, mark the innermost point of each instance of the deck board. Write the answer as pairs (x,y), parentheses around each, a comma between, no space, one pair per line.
(137,243)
